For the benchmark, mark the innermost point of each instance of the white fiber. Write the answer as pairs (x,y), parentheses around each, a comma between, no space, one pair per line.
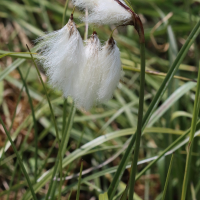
(62,55)
(105,11)
(83,4)
(90,75)
(111,70)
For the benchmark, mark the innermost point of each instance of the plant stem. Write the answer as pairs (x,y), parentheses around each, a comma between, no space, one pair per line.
(191,140)
(35,124)
(19,160)
(64,13)
(64,143)
(139,125)
(168,177)
(113,186)
(79,182)
(53,116)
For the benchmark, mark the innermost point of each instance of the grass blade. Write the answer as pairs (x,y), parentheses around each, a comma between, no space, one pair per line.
(79,182)
(169,148)
(153,105)
(54,121)
(191,140)
(125,193)
(34,122)
(103,196)
(19,160)
(65,12)
(139,125)
(168,177)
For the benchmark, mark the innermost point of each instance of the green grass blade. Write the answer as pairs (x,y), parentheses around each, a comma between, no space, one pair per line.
(169,148)
(19,160)
(139,125)
(170,102)
(54,121)
(13,118)
(16,54)
(195,32)
(9,69)
(68,128)
(125,193)
(65,12)
(64,143)
(103,196)
(34,122)
(191,140)
(45,161)
(83,150)
(69,195)
(168,178)
(79,182)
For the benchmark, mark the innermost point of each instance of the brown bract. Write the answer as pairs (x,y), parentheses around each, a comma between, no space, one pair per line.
(71,26)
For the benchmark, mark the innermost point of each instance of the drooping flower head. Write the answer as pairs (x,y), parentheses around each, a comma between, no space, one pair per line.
(62,55)
(111,70)
(90,73)
(106,11)
(89,80)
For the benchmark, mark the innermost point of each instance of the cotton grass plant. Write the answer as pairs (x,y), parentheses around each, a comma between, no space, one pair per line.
(89,71)
(90,81)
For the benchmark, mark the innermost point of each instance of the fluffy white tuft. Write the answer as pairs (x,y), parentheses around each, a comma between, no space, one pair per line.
(62,55)
(90,78)
(111,70)
(105,12)
(83,4)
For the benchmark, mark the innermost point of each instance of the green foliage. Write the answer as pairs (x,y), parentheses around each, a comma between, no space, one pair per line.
(99,138)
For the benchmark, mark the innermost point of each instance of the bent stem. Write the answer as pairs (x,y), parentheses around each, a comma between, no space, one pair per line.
(191,140)
(111,191)
(195,32)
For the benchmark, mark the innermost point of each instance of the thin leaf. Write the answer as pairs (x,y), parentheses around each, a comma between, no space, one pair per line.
(79,182)
(168,178)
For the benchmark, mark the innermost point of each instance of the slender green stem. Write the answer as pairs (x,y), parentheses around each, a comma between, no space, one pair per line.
(70,195)
(16,165)
(168,177)
(67,135)
(191,140)
(153,105)
(139,125)
(64,111)
(19,160)
(13,118)
(64,13)
(63,145)
(45,162)
(12,179)
(35,124)
(53,116)
(79,182)
(68,128)
(64,116)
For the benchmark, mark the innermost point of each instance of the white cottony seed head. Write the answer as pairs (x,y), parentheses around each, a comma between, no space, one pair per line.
(62,55)
(89,74)
(83,4)
(89,79)
(111,70)
(105,11)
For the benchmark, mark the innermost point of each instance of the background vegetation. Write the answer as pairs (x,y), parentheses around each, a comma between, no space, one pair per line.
(98,138)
